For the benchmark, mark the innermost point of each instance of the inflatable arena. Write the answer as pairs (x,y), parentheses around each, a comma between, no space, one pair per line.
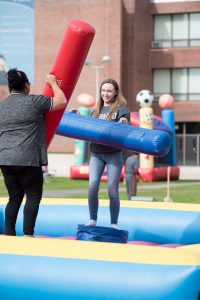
(161,259)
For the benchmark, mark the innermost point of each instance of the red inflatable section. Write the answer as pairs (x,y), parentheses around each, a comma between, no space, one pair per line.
(79,172)
(82,172)
(159,174)
(134,119)
(67,67)
(148,175)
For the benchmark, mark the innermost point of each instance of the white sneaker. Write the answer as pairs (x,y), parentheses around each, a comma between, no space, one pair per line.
(91,223)
(114,226)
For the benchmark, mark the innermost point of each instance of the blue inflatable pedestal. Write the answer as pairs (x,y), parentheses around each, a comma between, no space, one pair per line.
(101,234)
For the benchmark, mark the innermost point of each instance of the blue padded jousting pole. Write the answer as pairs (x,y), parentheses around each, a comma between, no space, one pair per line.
(119,135)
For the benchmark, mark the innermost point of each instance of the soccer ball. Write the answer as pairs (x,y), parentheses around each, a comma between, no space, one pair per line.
(145,98)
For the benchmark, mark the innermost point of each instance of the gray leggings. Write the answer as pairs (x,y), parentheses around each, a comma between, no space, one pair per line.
(114,164)
(131,184)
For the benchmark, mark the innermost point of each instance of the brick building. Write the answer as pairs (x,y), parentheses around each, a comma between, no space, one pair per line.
(152,45)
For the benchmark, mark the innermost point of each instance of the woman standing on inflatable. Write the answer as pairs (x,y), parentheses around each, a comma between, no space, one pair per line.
(23,146)
(112,107)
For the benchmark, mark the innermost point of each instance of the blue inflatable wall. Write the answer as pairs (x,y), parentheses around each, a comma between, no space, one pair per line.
(55,268)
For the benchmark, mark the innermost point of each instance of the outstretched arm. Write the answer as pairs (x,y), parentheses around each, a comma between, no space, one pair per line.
(59,99)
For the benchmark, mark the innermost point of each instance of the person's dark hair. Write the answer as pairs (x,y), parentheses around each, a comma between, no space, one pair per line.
(16,80)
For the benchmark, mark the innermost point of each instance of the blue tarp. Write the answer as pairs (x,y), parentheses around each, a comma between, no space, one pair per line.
(101,234)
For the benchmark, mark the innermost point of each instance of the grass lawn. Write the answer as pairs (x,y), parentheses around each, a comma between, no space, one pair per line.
(180,191)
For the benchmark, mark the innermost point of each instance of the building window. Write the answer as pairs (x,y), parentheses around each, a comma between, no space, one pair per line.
(177,30)
(162,31)
(179,83)
(194,31)
(193,83)
(183,84)
(179,33)
(161,81)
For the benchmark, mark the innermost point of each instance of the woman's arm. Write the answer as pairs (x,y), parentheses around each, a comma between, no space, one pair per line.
(59,99)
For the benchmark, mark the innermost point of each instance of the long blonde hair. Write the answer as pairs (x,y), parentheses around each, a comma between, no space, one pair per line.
(118,100)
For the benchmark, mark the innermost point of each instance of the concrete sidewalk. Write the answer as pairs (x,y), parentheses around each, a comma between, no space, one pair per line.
(59,165)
